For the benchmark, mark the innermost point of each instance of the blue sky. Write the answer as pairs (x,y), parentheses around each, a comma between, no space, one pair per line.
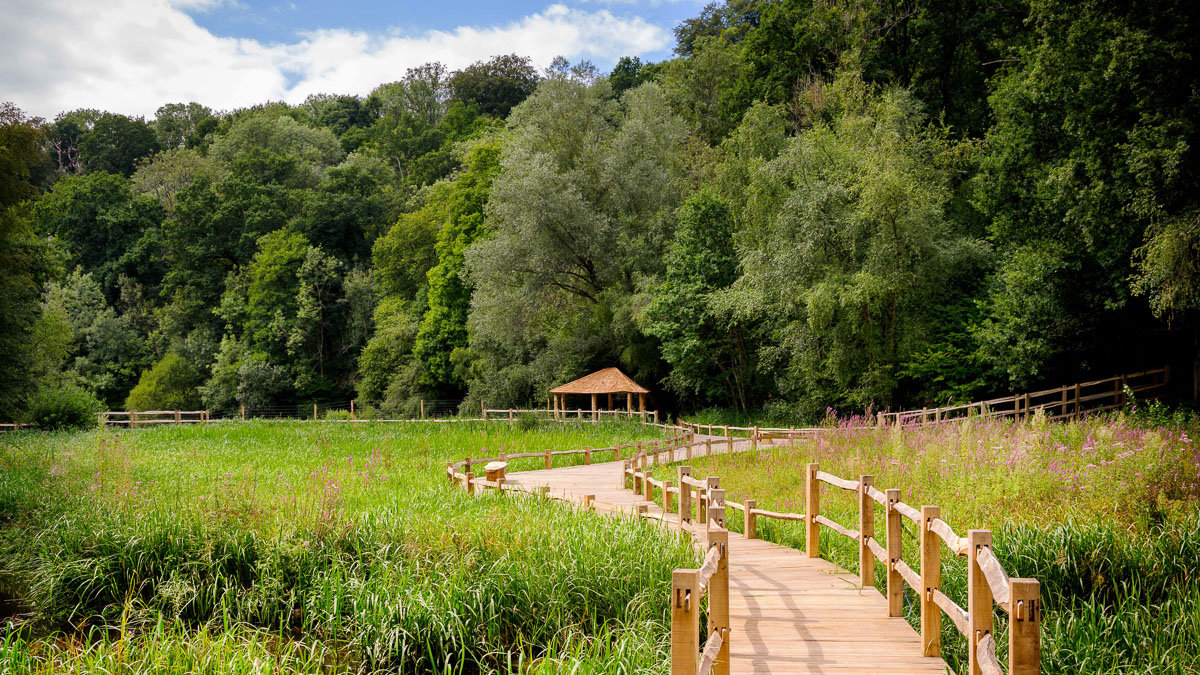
(275,21)
(136,55)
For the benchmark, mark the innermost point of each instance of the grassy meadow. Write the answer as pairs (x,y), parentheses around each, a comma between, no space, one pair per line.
(303,547)
(1105,512)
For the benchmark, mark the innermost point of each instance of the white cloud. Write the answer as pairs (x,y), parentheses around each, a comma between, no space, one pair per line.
(135,55)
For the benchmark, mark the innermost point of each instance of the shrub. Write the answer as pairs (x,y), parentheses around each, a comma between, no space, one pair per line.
(169,385)
(337,415)
(63,406)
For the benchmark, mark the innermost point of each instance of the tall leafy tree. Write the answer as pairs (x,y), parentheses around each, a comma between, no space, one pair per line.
(25,262)
(1094,144)
(711,360)
(444,327)
(495,85)
(116,144)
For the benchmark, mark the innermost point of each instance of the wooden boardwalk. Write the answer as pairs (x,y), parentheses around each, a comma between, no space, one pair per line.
(788,613)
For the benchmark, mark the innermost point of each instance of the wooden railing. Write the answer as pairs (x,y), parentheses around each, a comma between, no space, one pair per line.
(988,583)
(136,418)
(1070,400)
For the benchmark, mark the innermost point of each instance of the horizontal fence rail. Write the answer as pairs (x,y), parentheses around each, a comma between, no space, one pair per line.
(1068,401)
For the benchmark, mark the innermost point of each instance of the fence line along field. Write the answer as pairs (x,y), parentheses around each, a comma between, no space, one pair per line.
(318,548)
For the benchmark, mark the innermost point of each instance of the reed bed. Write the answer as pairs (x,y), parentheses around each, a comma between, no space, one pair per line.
(298,547)
(1105,512)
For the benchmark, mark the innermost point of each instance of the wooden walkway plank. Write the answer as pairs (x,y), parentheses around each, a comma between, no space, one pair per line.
(788,613)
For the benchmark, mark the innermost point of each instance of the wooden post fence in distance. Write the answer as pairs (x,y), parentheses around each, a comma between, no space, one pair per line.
(750,528)
(931,579)
(422,408)
(483,408)
(133,417)
(866,529)
(895,583)
(243,413)
(979,597)
(178,418)
(718,592)
(812,508)
(685,493)
(351,408)
(314,411)
(685,621)
(1024,627)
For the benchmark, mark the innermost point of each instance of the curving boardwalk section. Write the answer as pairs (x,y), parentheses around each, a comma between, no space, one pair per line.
(789,613)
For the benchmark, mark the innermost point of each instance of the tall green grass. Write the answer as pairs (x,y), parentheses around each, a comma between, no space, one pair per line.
(1104,512)
(312,546)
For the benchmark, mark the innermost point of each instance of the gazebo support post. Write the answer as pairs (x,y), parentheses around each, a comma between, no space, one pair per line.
(595,415)
(641,403)
(629,401)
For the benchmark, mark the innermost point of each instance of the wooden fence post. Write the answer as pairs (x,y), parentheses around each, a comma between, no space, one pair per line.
(647,488)
(587,455)
(754,440)
(979,596)
(133,419)
(1027,407)
(1024,627)
(351,408)
(314,411)
(637,479)
(931,579)
(866,529)
(470,483)
(685,494)
(1077,401)
(895,583)
(667,498)
(178,418)
(243,413)
(548,458)
(718,595)
(750,529)
(483,409)
(685,621)
(812,508)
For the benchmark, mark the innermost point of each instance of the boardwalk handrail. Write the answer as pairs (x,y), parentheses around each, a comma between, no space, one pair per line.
(988,583)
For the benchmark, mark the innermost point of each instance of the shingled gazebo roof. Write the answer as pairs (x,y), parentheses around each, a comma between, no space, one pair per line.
(607,381)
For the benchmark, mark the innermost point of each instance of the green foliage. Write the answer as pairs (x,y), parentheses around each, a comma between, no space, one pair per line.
(1091,146)
(62,406)
(169,385)
(496,85)
(709,357)
(116,143)
(848,248)
(25,261)
(461,210)
(582,207)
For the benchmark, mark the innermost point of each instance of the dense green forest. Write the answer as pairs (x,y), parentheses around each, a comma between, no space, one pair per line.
(814,204)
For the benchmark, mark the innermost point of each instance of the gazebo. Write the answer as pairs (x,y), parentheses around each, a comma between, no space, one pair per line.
(608,381)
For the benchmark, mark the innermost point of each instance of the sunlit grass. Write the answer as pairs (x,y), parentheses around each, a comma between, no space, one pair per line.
(320,546)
